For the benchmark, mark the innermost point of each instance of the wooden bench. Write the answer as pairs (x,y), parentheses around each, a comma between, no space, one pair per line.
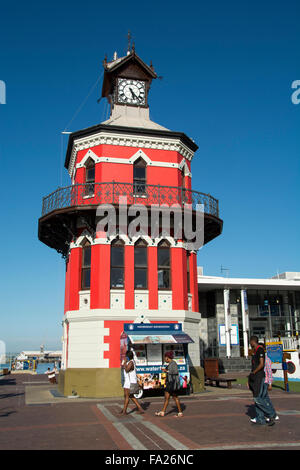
(211,372)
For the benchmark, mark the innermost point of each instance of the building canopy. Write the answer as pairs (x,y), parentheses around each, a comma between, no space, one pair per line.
(156,333)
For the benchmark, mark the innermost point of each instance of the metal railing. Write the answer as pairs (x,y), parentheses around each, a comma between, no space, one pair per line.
(109,193)
(289,343)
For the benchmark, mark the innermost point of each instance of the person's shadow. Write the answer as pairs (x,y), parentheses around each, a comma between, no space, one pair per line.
(145,405)
(174,409)
(6,412)
(10,395)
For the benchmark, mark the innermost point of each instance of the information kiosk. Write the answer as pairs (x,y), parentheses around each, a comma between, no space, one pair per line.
(149,342)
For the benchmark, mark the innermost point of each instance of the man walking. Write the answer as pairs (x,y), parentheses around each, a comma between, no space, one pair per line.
(256,381)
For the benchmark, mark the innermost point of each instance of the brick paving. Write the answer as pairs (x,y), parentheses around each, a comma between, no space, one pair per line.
(31,417)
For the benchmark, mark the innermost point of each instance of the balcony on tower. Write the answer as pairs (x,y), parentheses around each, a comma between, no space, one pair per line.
(113,165)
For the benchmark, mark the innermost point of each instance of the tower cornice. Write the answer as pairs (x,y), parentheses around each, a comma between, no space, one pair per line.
(130,137)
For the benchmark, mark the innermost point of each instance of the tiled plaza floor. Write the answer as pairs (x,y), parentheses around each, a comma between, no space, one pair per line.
(33,416)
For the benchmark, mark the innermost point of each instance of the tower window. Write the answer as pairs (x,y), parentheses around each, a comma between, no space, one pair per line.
(90,178)
(164,265)
(86,267)
(183,178)
(117,265)
(140,265)
(139,177)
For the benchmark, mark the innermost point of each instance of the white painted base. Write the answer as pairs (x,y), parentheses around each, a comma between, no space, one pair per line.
(86,344)
(86,333)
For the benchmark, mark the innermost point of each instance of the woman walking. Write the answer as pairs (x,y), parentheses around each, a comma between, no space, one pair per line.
(130,383)
(172,385)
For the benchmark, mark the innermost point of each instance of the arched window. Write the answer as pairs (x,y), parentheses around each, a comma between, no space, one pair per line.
(90,178)
(183,178)
(117,265)
(86,266)
(139,176)
(140,265)
(183,185)
(164,265)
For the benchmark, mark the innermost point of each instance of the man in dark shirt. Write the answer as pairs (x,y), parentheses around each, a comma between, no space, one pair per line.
(256,383)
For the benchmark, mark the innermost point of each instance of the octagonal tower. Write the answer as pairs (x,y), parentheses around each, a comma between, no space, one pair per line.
(125,162)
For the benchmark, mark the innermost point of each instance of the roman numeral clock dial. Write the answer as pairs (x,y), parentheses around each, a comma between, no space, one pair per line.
(131,92)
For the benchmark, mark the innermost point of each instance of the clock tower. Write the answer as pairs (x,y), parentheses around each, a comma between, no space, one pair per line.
(126,86)
(118,278)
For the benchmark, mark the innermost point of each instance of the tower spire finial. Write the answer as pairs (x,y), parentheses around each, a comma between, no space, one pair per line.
(129,37)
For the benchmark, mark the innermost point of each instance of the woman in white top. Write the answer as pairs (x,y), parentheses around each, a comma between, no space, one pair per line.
(130,379)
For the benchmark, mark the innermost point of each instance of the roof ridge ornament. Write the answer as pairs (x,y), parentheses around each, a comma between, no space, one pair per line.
(129,37)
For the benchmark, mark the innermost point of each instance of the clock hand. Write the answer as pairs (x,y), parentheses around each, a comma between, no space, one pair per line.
(133,94)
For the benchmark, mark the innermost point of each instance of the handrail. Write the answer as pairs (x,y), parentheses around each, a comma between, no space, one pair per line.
(109,193)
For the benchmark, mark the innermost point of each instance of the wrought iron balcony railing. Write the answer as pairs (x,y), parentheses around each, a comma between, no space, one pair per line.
(109,193)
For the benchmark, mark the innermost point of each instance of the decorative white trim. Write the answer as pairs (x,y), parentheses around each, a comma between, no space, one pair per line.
(102,138)
(131,160)
(79,242)
(141,318)
(127,241)
(144,238)
(117,299)
(89,155)
(84,299)
(141,299)
(150,242)
(130,314)
(182,165)
(165,300)
(190,299)
(137,155)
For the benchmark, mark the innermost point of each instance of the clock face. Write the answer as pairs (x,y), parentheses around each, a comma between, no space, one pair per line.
(131,92)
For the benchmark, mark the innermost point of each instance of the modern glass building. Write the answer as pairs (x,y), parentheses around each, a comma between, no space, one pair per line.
(233,309)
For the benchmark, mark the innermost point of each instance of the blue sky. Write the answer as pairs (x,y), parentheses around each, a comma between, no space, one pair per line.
(227,71)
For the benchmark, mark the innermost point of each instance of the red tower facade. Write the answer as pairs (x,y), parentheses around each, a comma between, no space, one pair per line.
(139,272)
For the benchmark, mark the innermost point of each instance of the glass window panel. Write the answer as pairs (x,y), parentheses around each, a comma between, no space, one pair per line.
(117,277)
(86,279)
(86,256)
(140,278)
(89,189)
(163,257)
(140,256)
(139,173)
(139,188)
(117,256)
(163,278)
(90,174)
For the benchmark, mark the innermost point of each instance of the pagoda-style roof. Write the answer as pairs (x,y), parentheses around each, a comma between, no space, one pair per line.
(131,66)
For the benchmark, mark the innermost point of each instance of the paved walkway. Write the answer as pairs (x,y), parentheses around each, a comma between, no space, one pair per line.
(34,416)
